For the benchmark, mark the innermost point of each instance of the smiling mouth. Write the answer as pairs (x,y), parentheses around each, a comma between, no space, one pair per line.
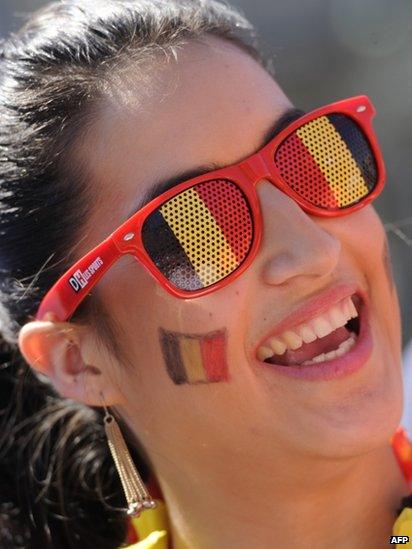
(325,337)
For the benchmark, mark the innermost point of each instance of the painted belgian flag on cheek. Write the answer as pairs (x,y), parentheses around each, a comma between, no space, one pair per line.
(195,358)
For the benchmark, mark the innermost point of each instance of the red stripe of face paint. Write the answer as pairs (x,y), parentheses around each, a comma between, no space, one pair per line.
(307,180)
(231,213)
(213,349)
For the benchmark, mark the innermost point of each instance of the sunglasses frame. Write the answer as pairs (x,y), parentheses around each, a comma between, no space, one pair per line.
(70,290)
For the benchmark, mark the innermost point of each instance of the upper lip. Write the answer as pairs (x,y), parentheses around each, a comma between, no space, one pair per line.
(315,307)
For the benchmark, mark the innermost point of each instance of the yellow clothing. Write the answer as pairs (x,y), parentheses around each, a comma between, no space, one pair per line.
(402,527)
(155,540)
(152,528)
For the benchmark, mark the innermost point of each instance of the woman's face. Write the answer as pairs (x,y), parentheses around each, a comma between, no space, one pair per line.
(213,107)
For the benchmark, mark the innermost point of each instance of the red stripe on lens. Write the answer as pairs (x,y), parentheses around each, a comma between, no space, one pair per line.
(228,206)
(300,171)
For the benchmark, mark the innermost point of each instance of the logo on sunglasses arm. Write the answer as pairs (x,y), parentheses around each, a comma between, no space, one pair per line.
(80,279)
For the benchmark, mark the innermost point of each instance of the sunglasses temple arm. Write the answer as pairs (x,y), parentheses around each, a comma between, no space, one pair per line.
(71,289)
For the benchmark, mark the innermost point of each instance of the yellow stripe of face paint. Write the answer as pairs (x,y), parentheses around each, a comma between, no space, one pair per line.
(187,215)
(192,359)
(334,159)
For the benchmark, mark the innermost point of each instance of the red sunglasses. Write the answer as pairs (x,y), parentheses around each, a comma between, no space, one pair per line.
(203,233)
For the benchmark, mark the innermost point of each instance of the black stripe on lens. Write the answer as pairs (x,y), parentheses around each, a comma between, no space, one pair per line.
(167,254)
(358,145)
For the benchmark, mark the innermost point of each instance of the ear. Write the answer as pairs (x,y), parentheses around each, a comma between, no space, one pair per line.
(58,350)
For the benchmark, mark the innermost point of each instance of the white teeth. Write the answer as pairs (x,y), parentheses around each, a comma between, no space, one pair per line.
(307,334)
(349,309)
(292,340)
(346,308)
(352,309)
(321,326)
(343,348)
(348,344)
(319,358)
(278,346)
(264,353)
(337,318)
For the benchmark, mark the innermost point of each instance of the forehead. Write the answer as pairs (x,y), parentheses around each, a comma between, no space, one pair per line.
(211,105)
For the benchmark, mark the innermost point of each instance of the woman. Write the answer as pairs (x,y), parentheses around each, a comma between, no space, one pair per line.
(252,353)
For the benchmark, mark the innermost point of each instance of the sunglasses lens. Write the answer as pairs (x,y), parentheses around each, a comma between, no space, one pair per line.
(329,162)
(201,235)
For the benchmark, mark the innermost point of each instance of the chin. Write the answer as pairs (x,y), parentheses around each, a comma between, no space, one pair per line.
(366,417)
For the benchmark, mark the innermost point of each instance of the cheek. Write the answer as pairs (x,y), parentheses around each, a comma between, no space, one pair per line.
(182,341)
(387,263)
(195,358)
(364,242)
(364,239)
(371,248)
(366,259)
(194,336)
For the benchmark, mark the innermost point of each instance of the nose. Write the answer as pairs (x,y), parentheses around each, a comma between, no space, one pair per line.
(294,245)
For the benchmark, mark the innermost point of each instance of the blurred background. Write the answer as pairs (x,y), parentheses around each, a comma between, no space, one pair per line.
(324,50)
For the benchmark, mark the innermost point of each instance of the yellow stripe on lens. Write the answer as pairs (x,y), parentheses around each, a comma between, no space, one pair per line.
(192,359)
(334,159)
(200,236)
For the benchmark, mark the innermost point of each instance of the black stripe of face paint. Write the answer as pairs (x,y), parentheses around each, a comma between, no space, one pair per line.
(167,254)
(358,145)
(173,359)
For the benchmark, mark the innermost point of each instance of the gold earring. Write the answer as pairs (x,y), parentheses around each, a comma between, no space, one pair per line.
(137,497)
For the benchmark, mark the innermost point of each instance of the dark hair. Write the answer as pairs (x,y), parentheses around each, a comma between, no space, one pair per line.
(58,485)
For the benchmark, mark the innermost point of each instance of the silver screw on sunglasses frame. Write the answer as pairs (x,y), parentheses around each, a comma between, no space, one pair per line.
(137,497)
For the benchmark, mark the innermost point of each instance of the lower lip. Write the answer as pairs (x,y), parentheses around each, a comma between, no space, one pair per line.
(340,367)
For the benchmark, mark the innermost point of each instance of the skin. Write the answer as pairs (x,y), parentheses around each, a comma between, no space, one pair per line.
(193,358)
(260,460)
(387,262)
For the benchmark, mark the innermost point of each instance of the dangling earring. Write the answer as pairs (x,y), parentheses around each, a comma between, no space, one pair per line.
(137,497)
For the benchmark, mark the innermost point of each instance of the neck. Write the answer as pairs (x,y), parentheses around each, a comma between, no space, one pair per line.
(336,503)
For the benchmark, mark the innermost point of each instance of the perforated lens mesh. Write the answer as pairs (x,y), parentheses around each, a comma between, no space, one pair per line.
(329,162)
(201,235)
